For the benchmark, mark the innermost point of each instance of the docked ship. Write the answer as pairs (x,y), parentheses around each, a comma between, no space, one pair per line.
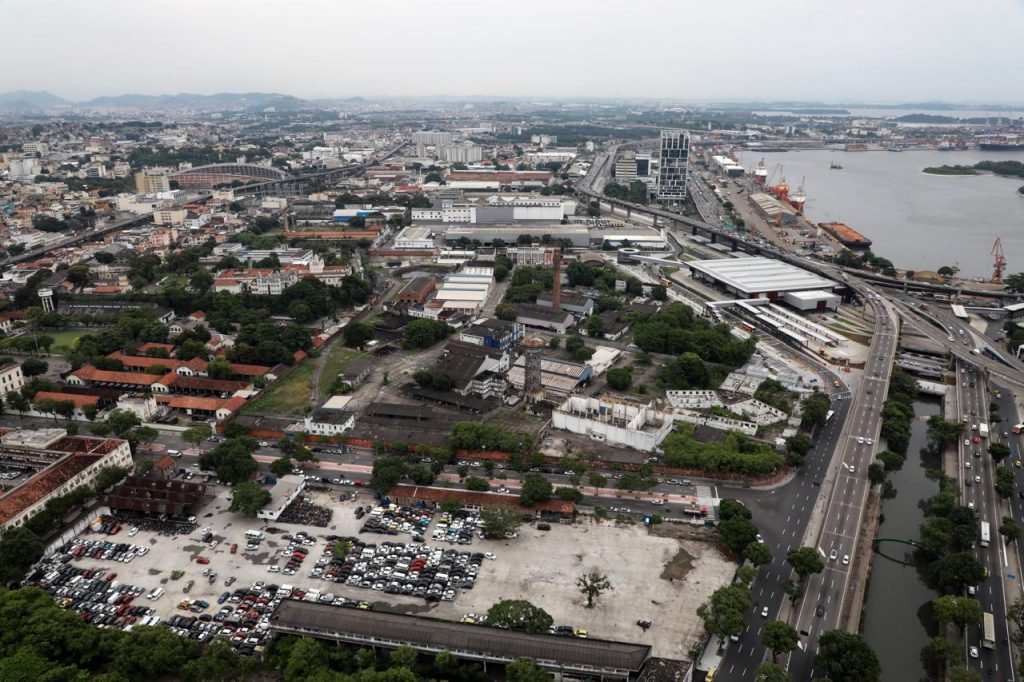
(846,235)
(798,198)
(1003,143)
(761,172)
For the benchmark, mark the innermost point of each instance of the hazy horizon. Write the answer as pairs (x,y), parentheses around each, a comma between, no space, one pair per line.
(872,52)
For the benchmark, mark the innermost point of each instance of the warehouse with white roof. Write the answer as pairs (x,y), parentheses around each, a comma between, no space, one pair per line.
(767,278)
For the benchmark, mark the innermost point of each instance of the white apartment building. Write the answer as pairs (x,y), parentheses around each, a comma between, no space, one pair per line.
(434,137)
(460,153)
(11,378)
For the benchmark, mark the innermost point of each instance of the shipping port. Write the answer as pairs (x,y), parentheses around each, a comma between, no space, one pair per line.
(846,235)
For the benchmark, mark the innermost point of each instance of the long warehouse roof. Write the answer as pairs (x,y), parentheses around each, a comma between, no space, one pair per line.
(759,275)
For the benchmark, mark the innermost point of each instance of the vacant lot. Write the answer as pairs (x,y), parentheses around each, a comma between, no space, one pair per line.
(337,361)
(654,578)
(289,397)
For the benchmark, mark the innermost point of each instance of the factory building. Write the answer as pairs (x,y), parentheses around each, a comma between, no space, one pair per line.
(758,277)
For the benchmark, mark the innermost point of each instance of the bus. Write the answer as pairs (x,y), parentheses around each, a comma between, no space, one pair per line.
(986,534)
(988,632)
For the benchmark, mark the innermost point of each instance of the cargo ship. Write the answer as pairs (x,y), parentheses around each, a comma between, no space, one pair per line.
(1002,143)
(798,198)
(846,235)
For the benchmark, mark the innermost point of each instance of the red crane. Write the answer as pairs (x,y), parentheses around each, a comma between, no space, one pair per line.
(1000,262)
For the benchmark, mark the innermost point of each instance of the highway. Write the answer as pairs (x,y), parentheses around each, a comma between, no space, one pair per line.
(977,475)
(781,515)
(823,606)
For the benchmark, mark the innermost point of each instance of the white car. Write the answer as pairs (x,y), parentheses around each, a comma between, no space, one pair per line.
(273,569)
(764,612)
(846,560)
(133,532)
(977,479)
(832,555)
(974,652)
(659,502)
(869,441)
(490,555)
(860,440)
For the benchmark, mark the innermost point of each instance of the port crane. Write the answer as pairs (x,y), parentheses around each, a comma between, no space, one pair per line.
(999,264)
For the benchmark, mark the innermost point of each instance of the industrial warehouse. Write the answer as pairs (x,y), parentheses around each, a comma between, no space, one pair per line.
(767,278)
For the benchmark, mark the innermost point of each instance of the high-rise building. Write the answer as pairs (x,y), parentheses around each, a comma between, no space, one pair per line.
(435,137)
(150,182)
(672,165)
(460,153)
(625,167)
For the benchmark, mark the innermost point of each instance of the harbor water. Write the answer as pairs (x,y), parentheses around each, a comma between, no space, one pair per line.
(897,611)
(916,220)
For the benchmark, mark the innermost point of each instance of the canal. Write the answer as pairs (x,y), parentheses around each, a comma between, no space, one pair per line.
(897,620)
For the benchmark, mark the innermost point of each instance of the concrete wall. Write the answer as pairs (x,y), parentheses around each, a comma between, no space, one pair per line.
(715,422)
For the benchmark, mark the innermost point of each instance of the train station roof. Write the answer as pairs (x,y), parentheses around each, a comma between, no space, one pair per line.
(752,276)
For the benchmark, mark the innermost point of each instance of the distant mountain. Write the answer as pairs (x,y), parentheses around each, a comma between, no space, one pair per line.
(28,99)
(24,101)
(221,100)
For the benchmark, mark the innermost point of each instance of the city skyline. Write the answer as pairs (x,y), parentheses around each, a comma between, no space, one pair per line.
(717,52)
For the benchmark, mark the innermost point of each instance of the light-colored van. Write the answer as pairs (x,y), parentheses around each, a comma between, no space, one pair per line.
(156,594)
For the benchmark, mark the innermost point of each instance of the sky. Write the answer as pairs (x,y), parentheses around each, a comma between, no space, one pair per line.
(824,50)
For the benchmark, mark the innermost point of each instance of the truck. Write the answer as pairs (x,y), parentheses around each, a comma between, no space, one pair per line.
(983,430)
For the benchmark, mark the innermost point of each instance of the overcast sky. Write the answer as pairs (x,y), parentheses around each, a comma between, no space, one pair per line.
(861,50)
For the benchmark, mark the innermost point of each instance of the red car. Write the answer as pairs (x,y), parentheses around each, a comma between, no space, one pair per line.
(975,440)
(202,560)
(111,577)
(234,548)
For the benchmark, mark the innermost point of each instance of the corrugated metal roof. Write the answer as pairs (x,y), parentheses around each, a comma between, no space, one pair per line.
(434,634)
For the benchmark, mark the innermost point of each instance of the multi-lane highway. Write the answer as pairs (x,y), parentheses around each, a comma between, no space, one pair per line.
(977,474)
(781,515)
(822,606)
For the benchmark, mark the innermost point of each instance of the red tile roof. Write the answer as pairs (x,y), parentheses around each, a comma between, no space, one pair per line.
(233,404)
(42,484)
(150,345)
(90,373)
(165,462)
(80,401)
(191,402)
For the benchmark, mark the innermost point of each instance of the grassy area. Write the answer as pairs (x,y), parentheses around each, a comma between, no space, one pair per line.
(63,341)
(289,397)
(338,360)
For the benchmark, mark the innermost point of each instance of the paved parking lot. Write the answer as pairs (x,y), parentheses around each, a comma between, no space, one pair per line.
(541,566)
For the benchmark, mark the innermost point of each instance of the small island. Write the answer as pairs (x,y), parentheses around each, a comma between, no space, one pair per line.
(951,170)
(1012,169)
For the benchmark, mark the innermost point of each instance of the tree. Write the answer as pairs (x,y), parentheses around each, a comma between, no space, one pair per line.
(34,367)
(737,532)
(568,494)
(500,522)
(770,671)
(780,637)
(592,584)
(619,378)
(357,335)
(724,613)
(597,480)
(536,489)
(108,476)
(519,614)
(196,434)
(1004,482)
(805,562)
(846,657)
(525,670)
(249,497)
(218,661)
(219,368)
(797,447)
(876,473)
(998,451)
(387,471)
(942,653)
(957,674)
(19,549)
(951,572)
(815,408)
(17,402)
(477,484)
(757,554)
(1009,529)
(505,311)
(403,657)
(893,461)
(961,611)
(1015,282)
(282,466)
(729,508)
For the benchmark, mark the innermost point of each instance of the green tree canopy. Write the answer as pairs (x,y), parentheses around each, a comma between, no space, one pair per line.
(519,614)
(845,657)
(725,612)
(805,561)
(249,497)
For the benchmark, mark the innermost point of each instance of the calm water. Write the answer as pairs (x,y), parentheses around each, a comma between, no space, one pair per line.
(896,612)
(918,221)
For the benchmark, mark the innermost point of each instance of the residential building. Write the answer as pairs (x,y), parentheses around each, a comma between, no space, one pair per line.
(673,157)
(460,153)
(433,137)
(152,182)
(11,378)
(625,167)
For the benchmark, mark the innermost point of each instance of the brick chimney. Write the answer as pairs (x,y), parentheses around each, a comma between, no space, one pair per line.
(556,283)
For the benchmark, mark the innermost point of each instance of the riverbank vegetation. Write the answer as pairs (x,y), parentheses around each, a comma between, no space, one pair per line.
(898,411)
(1012,169)
(950,170)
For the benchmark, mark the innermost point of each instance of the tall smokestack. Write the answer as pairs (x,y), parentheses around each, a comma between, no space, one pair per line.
(556,283)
